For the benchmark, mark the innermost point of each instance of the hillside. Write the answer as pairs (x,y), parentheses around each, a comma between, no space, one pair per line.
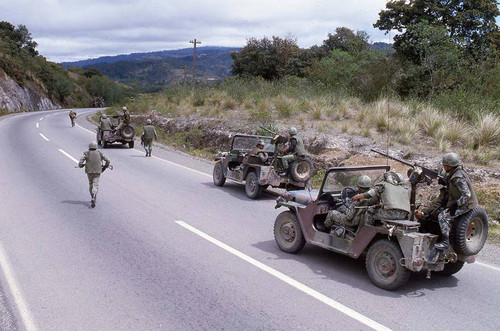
(151,71)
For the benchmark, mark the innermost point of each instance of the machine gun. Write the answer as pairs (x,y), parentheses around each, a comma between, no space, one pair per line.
(417,174)
(277,138)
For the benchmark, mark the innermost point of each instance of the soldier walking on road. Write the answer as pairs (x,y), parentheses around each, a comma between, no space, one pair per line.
(92,161)
(147,136)
(72,116)
(294,151)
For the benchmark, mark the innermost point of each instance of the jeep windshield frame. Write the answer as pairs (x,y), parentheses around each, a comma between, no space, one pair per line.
(244,143)
(334,185)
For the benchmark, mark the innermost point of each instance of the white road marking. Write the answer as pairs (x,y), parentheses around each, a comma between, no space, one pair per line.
(301,287)
(41,118)
(81,127)
(41,135)
(72,158)
(487,266)
(37,125)
(24,312)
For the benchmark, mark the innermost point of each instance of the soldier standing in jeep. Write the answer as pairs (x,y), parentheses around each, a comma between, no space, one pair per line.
(294,151)
(124,120)
(461,197)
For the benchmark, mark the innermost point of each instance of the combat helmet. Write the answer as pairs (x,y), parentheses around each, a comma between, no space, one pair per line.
(148,121)
(292,131)
(260,143)
(124,108)
(104,116)
(452,160)
(93,144)
(364,181)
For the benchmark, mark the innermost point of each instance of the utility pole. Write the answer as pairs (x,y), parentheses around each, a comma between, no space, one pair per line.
(194,42)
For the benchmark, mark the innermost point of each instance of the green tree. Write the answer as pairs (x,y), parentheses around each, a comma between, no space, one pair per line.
(346,40)
(469,23)
(270,58)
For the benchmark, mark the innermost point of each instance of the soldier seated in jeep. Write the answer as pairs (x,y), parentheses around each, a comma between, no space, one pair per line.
(257,152)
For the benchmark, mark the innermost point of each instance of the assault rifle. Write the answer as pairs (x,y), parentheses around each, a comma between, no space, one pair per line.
(417,174)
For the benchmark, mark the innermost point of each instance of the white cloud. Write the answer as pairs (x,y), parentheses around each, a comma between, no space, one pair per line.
(77,29)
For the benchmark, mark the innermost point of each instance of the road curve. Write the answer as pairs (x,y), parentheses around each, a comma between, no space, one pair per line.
(165,249)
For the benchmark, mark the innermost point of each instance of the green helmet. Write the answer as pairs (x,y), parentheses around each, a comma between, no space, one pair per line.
(292,131)
(452,160)
(364,181)
(124,108)
(104,116)
(148,121)
(93,145)
(260,142)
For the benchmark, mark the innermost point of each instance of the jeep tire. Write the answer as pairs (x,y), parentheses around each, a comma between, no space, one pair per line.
(252,186)
(127,131)
(131,144)
(301,170)
(451,268)
(287,233)
(383,265)
(218,174)
(469,232)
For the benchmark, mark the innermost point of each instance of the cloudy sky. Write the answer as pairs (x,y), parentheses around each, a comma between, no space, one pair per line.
(68,30)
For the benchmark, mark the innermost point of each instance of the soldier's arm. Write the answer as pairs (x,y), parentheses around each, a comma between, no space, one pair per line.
(156,136)
(83,160)
(462,186)
(291,148)
(105,159)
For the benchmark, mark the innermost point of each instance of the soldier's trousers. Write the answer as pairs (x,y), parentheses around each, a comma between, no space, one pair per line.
(445,219)
(72,121)
(148,145)
(93,183)
(373,214)
(288,159)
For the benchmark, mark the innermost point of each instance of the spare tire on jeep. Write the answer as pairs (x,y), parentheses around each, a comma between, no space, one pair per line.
(301,170)
(127,131)
(469,232)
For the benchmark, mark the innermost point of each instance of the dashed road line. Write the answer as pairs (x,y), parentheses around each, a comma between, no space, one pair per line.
(287,279)
(15,290)
(41,118)
(41,135)
(37,125)
(69,156)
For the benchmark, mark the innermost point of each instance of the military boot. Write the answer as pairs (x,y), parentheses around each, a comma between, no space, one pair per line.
(444,244)
(92,202)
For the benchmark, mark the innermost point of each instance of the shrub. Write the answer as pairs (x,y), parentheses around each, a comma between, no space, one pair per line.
(487,130)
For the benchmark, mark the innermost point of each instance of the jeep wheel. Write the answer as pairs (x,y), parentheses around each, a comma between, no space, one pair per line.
(301,170)
(127,131)
(218,174)
(469,232)
(104,144)
(451,268)
(287,233)
(131,144)
(383,267)
(252,187)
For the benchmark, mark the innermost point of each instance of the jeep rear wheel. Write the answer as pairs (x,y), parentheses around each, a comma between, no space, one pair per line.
(218,174)
(252,187)
(287,233)
(301,170)
(469,232)
(451,268)
(384,267)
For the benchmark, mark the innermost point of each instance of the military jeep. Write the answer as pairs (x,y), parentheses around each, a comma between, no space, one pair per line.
(239,166)
(124,136)
(394,248)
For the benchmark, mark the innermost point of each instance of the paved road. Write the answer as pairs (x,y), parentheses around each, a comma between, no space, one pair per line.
(167,250)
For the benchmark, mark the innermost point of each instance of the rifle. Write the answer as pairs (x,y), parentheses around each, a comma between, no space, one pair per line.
(418,174)
(266,129)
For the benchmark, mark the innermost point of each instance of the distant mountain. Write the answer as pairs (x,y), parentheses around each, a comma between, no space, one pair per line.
(151,71)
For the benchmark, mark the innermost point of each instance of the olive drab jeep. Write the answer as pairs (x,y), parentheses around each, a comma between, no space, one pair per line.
(124,136)
(394,248)
(239,166)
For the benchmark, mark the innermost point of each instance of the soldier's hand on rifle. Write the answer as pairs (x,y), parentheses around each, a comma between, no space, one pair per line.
(358,197)
(419,214)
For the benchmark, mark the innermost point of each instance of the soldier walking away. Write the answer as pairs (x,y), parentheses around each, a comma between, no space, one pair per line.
(92,161)
(295,151)
(460,197)
(147,136)
(105,123)
(352,215)
(72,116)
(124,119)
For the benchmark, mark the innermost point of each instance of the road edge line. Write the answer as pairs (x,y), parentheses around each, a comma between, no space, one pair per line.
(489,266)
(69,156)
(15,290)
(41,135)
(289,280)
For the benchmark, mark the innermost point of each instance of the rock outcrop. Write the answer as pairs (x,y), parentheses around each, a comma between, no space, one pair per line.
(29,97)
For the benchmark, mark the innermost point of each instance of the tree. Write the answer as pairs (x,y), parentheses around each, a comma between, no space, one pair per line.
(17,39)
(471,24)
(346,40)
(269,59)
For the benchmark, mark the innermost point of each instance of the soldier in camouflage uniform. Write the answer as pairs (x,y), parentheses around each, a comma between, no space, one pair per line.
(124,119)
(295,151)
(394,199)
(72,116)
(105,123)
(351,216)
(257,151)
(147,136)
(92,161)
(460,197)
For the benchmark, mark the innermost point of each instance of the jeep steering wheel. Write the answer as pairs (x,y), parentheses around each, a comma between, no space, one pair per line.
(344,196)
